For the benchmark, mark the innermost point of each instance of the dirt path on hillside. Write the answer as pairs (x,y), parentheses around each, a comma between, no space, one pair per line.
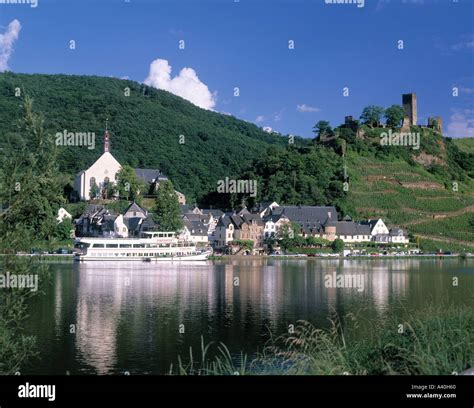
(441,216)
(447,240)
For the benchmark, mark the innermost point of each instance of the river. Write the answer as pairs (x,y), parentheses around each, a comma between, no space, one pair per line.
(116,318)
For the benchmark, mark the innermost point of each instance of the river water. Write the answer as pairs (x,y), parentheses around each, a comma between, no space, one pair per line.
(116,318)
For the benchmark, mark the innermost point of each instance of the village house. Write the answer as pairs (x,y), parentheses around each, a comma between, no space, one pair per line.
(245,227)
(95,221)
(209,217)
(381,234)
(311,219)
(250,229)
(224,232)
(133,222)
(347,231)
(98,221)
(195,232)
(398,236)
(273,225)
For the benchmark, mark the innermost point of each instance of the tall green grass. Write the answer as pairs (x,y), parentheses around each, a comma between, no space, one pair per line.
(439,340)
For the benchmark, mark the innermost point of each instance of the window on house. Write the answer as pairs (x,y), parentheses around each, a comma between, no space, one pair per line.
(92,181)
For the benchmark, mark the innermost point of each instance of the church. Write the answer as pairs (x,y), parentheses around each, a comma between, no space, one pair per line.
(105,170)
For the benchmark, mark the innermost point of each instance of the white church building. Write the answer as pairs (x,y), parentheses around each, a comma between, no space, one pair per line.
(102,172)
(105,170)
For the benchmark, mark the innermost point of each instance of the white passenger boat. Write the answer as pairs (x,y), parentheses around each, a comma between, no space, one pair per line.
(152,247)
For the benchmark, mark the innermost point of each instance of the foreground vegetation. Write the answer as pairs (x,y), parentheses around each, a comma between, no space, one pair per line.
(438,340)
(16,348)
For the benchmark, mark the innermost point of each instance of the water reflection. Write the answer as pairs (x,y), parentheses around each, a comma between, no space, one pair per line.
(127,316)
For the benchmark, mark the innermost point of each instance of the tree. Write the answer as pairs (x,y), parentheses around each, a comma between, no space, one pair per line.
(109,190)
(128,185)
(94,191)
(64,230)
(166,212)
(372,114)
(337,245)
(31,191)
(323,129)
(394,116)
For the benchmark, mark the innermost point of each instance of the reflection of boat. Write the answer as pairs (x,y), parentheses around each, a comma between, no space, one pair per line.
(153,247)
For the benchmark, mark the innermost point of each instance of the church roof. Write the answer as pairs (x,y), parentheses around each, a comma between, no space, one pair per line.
(149,175)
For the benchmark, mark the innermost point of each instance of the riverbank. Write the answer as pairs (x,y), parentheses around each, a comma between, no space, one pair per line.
(69,258)
(338,256)
(436,341)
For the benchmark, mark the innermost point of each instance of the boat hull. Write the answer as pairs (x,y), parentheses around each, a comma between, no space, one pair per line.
(197,257)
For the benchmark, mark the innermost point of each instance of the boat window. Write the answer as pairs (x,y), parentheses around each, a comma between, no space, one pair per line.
(125,245)
(111,246)
(98,246)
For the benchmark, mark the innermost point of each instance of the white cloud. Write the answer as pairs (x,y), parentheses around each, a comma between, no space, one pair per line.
(461,123)
(382,3)
(466,43)
(277,116)
(268,129)
(306,108)
(186,84)
(260,119)
(6,43)
(463,45)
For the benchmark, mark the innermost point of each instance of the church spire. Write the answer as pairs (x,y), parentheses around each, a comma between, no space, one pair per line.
(106,137)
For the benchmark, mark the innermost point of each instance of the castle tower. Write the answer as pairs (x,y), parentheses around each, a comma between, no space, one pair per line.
(436,123)
(106,137)
(409,108)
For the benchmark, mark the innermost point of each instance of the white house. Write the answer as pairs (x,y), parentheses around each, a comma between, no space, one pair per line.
(380,233)
(196,232)
(378,227)
(349,231)
(120,228)
(102,172)
(224,232)
(398,236)
(62,215)
(273,224)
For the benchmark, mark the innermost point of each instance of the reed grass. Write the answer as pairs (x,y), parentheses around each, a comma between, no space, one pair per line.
(438,340)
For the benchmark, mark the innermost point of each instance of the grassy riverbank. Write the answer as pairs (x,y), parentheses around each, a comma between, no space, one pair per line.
(439,340)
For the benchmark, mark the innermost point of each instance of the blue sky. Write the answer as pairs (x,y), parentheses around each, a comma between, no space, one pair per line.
(245,44)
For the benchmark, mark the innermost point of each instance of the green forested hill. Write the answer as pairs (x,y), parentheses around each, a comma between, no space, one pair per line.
(429,191)
(145,128)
